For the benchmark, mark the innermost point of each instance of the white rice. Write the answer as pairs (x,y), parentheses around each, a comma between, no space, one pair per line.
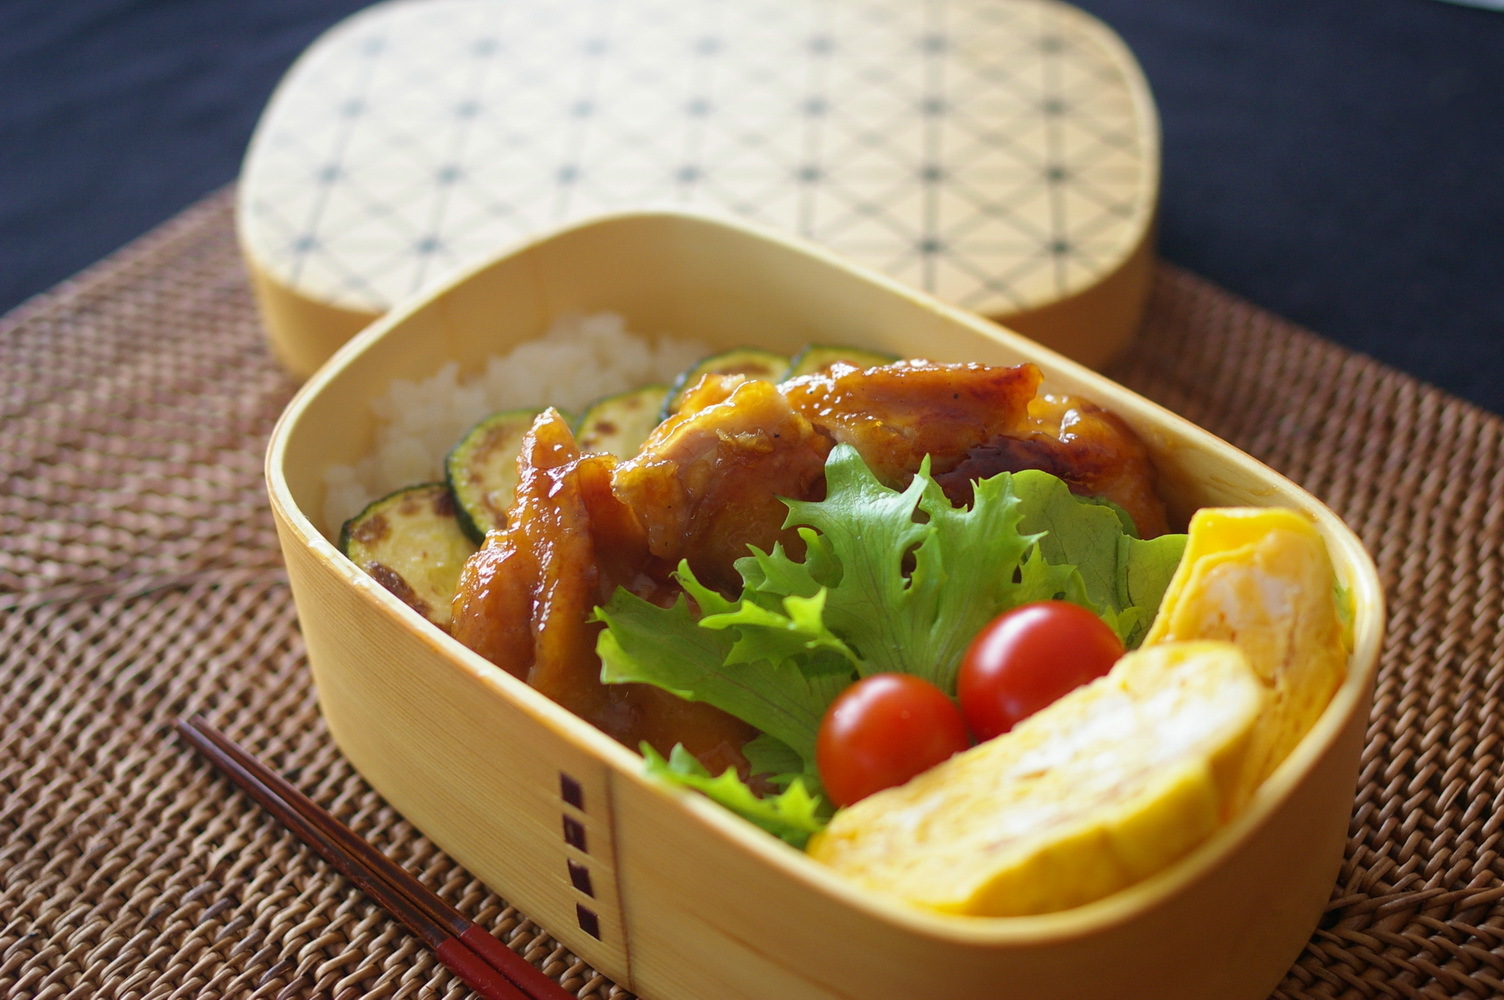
(577,361)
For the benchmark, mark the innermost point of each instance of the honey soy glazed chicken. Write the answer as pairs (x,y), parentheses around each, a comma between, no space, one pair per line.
(706,484)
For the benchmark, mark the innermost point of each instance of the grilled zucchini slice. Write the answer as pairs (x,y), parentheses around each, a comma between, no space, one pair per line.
(617,425)
(411,543)
(482,470)
(818,357)
(753,362)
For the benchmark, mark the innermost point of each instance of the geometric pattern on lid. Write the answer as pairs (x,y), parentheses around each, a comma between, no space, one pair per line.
(999,154)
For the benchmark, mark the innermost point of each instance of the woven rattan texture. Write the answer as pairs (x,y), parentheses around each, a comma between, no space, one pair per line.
(139,579)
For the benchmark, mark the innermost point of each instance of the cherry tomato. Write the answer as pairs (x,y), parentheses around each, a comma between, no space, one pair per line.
(1026,658)
(883,730)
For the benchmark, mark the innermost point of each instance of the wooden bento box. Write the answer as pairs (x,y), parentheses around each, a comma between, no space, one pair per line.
(660,889)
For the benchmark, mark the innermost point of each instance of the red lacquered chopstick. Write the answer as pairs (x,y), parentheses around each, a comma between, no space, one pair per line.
(487,965)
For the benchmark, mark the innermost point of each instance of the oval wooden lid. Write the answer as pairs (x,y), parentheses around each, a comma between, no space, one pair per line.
(1002,155)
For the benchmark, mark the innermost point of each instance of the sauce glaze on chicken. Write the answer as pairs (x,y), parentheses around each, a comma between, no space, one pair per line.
(705,485)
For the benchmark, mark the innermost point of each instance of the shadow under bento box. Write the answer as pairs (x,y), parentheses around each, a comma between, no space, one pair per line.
(658,888)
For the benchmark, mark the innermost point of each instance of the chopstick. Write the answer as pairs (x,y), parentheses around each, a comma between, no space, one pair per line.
(487,965)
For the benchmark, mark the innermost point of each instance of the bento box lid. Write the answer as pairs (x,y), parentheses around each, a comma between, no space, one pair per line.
(1002,156)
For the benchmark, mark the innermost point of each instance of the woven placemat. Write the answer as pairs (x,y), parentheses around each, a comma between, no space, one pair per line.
(140,579)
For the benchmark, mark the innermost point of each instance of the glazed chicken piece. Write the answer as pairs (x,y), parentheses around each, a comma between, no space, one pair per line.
(526,598)
(896,414)
(706,482)
(975,421)
(1093,451)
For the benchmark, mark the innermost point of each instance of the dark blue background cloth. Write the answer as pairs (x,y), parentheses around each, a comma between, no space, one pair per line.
(1340,162)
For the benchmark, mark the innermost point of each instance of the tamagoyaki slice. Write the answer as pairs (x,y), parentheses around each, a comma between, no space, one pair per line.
(1108,785)
(1262,578)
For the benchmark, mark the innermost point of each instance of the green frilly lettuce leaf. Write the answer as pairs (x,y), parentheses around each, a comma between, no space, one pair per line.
(792,815)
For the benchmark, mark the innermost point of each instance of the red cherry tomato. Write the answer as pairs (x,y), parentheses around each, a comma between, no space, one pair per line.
(882,731)
(1026,658)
